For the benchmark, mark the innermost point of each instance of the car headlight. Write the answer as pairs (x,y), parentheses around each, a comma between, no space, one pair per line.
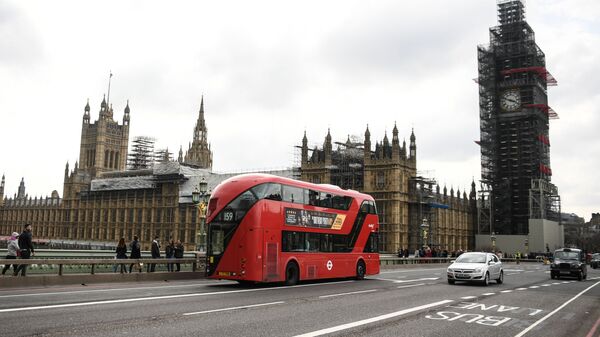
(450,270)
(478,270)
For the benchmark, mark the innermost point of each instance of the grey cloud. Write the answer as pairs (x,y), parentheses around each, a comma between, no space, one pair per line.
(19,42)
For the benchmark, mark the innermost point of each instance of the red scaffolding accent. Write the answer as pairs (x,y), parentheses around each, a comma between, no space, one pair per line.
(545,169)
(541,71)
(544,139)
(545,108)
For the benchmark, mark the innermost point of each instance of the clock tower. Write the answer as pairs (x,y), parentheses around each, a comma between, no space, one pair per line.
(514,120)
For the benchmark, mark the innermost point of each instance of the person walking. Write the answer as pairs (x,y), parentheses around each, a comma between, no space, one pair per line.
(11,252)
(155,251)
(179,253)
(135,253)
(26,249)
(170,254)
(121,251)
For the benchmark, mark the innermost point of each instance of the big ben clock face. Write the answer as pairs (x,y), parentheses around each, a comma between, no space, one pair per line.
(510,100)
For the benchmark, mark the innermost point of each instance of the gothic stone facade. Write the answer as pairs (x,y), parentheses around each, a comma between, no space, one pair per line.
(388,174)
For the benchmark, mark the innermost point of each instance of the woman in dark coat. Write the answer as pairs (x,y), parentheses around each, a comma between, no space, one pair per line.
(121,251)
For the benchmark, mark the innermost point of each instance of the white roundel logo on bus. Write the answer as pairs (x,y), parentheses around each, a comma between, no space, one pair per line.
(329,265)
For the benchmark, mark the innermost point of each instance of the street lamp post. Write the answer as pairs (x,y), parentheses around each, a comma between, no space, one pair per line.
(526,247)
(199,196)
(424,227)
(493,238)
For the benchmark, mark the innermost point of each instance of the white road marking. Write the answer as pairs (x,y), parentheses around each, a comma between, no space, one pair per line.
(538,322)
(410,270)
(468,297)
(534,287)
(512,274)
(521,289)
(411,285)
(518,270)
(233,308)
(506,291)
(350,293)
(106,290)
(419,279)
(488,294)
(372,320)
(555,283)
(546,285)
(139,299)
(566,282)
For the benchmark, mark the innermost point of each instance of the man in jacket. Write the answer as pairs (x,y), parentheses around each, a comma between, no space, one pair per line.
(135,253)
(155,250)
(26,246)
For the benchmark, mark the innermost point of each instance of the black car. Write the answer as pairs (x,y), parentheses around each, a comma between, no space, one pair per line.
(595,263)
(568,262)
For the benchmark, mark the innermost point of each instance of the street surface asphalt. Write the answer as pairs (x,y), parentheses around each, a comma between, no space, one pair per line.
(408,302)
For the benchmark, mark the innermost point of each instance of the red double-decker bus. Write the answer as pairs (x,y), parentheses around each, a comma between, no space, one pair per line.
(265,228)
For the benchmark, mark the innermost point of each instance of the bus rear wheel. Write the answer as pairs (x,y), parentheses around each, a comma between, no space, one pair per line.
(360,270)
(292,274)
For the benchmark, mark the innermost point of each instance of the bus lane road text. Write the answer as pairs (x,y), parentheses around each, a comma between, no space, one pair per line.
(488,314)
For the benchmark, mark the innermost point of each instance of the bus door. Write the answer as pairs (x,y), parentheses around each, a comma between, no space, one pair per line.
(270,256)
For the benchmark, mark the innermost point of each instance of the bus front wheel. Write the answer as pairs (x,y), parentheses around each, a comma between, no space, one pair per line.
(292,274)
(360,270)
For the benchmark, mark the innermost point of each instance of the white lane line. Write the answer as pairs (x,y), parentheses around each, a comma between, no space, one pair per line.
(555,283)
(139,299)
(468,297)
(488,294)
(407,281)
(512,274)
(419,279)
(411,285)
(372,320)
(350,293)
(534,287)
(521,289)
(108,290)
(233,308)
(410,270)
(546,285)
(518,270)
(538,322)
(565,282)
(506,291)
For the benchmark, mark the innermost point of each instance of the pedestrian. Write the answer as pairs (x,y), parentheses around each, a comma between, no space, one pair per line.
(25,248)
(170,254)
(179,253)
(121,251)
(12,251)
(135,254)
(155,251)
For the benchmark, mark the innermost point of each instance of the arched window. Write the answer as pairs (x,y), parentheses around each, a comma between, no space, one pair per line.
(106,154)
(117,159)
(111,159)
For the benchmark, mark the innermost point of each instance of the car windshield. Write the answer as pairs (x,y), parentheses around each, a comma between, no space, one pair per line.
(471,258)
(566,255)
(596,256)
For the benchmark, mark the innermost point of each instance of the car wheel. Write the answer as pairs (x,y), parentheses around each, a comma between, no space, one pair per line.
(580,276)
(552,276)
(291,274)
(486,279)
(500,278)
(450,281)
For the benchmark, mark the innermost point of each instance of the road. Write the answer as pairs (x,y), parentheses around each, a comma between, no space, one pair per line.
(401,302)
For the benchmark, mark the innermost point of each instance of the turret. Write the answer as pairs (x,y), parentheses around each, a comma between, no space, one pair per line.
(180,157)
(21,191)
(413,146)
(367,145)
(126,116)
(327,148)
(86,113)
(395,143)
(473,193)
(304,148)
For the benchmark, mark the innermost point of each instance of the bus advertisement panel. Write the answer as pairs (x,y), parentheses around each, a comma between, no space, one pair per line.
(264,228)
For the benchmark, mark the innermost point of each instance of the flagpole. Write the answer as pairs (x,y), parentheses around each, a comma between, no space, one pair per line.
(108,96)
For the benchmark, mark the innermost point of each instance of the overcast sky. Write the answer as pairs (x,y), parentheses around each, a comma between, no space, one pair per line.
(269,70)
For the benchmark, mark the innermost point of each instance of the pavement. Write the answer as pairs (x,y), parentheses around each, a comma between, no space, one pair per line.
(401,302)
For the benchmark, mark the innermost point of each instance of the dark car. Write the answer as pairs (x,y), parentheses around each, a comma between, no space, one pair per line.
(595,261)
(568,262)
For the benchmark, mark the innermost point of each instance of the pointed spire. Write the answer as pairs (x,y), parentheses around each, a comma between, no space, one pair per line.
(386,141)
(87,107)
(103,104)
(180,158)
(395,130)
(127,110)
(367,133)
(67,170)
(412,135)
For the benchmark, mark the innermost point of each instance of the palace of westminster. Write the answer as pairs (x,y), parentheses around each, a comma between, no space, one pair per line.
(103,201)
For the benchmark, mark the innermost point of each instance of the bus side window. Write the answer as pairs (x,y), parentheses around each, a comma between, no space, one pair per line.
(325,200)
(293,194)
(313,198)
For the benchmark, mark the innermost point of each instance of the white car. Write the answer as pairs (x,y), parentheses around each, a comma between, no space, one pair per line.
(478,267)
